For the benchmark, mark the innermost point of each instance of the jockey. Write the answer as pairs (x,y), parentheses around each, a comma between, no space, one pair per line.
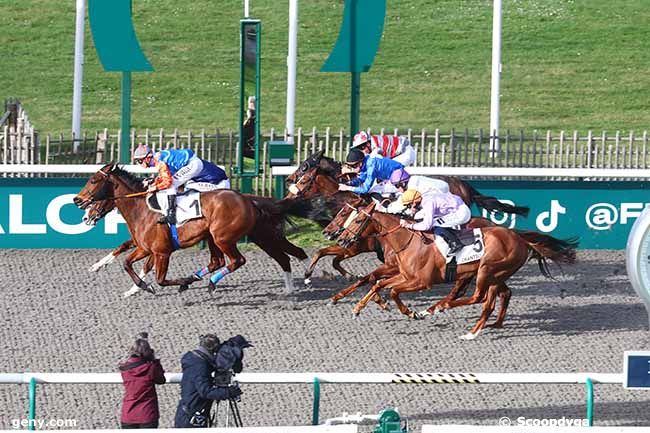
(177,167)
(403,181)
(394,147)
(369,169)
(442,212)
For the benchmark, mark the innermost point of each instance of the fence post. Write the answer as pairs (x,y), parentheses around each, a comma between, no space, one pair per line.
(32,404)
(590,401)
(316,408)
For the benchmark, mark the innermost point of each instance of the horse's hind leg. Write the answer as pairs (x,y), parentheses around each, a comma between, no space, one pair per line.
(333,250)
(504,299)
(488,308)
(271,247)
(237,260)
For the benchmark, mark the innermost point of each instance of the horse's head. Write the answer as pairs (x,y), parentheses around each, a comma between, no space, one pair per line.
(97,210)
(356,228)
(309,163)
(341,221)
(305,186)
(98,187)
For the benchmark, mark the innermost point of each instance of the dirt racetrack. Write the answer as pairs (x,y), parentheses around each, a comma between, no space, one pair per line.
(58,317)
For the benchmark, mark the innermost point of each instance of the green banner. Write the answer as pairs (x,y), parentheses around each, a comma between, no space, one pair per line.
(39,213)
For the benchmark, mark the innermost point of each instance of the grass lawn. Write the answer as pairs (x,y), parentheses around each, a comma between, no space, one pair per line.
(567,64)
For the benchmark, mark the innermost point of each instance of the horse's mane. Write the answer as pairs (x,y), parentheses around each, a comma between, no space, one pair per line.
(330,166)
(131,180)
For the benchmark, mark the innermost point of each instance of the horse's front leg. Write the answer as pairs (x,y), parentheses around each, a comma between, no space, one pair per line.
(333,250)
(110,258)
(137,254)
(374,291)
(148,265)
(383,271)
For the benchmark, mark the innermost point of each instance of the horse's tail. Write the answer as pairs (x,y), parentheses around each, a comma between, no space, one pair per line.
(492,203)
(277,212)
(544,247)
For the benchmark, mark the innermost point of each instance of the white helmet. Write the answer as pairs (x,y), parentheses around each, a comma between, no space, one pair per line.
(360,139)
(141,152)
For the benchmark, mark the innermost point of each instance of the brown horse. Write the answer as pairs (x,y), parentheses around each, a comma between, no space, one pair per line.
(270,238)
(390,267)
(421,265)
(228,216)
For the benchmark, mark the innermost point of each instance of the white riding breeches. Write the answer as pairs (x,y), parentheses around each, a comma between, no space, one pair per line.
(383,188)
(457,218)
(206,186)
(407,157)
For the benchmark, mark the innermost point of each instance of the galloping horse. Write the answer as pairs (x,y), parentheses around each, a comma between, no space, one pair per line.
(270,238)
(389,268)
(228,216)
(421,265)
(318,177)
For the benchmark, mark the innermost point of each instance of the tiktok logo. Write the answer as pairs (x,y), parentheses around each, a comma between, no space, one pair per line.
(547,221)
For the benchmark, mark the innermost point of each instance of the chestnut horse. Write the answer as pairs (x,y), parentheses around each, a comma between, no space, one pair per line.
(228,216)
(421,265)
(369,234)
(270,238)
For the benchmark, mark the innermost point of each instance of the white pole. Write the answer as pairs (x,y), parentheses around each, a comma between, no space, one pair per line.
(292,60)
(496,75)
(78,71)
(246,9)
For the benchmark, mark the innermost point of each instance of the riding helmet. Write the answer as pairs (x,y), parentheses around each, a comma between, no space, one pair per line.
(360,139)
(411,196)
(398,176)
(355,156)
(142,151)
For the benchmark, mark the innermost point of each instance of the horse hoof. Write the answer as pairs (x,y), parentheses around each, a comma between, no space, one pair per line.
(149,288)
(333,301)
(211,287)
(131,292)
(415,316)
(308,283)
(424,314)
(182,288)
(468,336)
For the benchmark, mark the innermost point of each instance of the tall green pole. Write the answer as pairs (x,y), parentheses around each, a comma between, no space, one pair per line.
(355,99)
(125,137)
(355,88)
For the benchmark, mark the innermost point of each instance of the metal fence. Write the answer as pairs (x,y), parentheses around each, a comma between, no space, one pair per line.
(455,148)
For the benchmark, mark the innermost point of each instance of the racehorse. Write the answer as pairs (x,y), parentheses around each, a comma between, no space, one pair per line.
(421,265)
(228,216)
(318,177)
(368,235)
(268,237)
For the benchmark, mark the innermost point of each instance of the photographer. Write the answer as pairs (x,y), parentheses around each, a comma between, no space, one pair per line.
(207,378)
(140,372)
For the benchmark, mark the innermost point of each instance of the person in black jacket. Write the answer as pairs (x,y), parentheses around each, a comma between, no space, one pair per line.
(198,390)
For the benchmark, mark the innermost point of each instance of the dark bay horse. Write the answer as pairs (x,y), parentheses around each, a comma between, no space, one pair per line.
(317,178)
(228,216)
(421,265)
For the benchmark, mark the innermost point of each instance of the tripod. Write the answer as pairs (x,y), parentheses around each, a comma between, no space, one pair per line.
(231,411)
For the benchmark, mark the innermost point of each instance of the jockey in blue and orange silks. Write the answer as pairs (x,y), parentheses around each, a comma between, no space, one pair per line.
(178,167)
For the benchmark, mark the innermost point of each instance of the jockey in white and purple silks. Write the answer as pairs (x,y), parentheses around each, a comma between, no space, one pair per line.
(178,167)
(369,169)
(442,212)
(403,181)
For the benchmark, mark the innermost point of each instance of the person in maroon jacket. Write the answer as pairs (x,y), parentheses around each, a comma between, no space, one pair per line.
(140,373)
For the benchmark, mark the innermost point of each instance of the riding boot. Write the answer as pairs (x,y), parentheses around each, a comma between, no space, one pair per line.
(170,218)
(449,235)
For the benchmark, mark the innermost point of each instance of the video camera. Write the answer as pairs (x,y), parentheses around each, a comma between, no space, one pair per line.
(228,357)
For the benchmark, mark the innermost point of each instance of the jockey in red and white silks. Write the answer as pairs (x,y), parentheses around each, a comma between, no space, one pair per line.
(397,148)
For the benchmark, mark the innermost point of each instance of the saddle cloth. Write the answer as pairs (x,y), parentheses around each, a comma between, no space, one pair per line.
(473,246)
(188,205)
